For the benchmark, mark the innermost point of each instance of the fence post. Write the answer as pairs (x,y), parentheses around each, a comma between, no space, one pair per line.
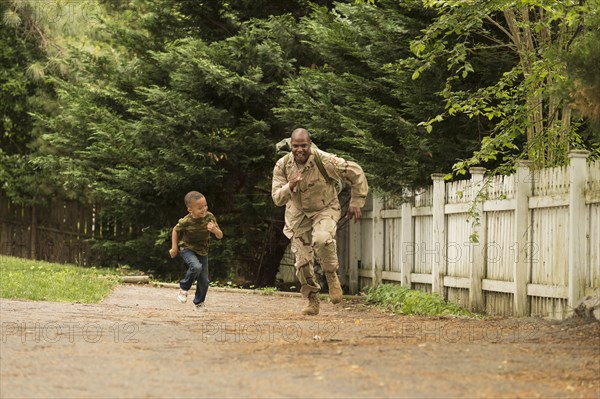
(408,246)
(354,255)
(577,226)
(477,256)
(523,189)
(33,233)
(438,268)
(378,242)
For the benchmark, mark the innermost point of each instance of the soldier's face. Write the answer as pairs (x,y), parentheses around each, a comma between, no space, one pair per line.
(300,148)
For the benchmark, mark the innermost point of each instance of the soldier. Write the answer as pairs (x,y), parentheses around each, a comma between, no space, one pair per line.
(303,183)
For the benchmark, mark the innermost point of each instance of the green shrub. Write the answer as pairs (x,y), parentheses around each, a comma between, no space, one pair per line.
(401,300)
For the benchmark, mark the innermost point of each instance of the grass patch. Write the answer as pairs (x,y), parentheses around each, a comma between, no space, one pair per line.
(267,290)
(401,300)
(43,281)
(220,284)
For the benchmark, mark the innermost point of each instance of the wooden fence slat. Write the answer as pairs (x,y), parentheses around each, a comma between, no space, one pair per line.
(407,246)
(378,257)
(521,238)
(477,250)
(438,251)
(577,229)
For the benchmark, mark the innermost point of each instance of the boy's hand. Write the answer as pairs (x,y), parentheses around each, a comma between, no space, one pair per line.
(210,226)
(214,228)
(173,252)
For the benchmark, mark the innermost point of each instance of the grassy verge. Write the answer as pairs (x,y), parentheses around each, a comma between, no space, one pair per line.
(401,300)
(43,281)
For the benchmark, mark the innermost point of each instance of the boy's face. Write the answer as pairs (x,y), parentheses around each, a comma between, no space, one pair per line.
(198,208)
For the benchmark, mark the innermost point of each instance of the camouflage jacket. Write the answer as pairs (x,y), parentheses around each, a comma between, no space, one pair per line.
(313,193)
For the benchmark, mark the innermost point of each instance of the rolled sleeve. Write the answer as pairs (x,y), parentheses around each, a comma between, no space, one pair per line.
(358,184)
(353,174)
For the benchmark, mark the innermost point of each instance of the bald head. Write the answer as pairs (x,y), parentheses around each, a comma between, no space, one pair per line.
(301,134)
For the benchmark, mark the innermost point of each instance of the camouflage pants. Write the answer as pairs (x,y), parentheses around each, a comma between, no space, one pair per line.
(315,235)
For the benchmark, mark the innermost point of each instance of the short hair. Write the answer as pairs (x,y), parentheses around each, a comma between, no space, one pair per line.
(191,197)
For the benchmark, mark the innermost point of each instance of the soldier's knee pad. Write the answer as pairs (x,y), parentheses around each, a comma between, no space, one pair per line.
(321,239)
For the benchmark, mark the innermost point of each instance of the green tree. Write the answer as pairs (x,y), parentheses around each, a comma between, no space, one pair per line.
(145,116)
(531,118)
(153,98)
(356,102)
(583,84)
(22,90)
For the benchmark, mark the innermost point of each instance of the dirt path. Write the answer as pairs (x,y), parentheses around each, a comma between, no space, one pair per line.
(141,342)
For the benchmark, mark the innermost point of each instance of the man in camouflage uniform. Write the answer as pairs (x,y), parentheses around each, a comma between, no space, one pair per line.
(313,210)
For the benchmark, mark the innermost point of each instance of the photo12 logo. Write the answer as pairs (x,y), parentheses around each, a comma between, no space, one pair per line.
(461,332)
(454,252)
(266,332)
(55,332)
(65,12)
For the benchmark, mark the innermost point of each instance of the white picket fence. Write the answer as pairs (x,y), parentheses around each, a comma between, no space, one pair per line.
(527,244)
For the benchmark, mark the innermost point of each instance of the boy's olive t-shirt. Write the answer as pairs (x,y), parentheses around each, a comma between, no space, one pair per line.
(193,233)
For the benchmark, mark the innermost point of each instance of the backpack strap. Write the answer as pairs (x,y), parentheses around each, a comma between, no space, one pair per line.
(321,167)
(285,161)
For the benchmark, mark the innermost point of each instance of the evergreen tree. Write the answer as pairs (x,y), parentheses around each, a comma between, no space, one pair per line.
(582,87)
(357,104)
(22,90)
(146,116)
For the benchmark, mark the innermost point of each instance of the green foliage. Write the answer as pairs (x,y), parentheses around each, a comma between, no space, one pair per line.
(269,291)
(227,284)
(357,105)
(20,93)
(135,103)
(141,122)
(42,281)
(401,300)
(583,84)
(525,115)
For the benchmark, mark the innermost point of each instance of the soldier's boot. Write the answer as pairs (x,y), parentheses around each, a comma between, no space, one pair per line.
(335,289)
(312,309)
(309,288)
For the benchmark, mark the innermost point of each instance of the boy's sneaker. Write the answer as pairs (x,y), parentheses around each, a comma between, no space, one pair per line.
(200,306)
(182,296)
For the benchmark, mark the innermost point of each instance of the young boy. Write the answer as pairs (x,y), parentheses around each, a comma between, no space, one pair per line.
(190,238)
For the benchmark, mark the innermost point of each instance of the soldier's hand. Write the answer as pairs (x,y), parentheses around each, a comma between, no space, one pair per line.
(210,226)
(294,180)
(354,212)
(173,252)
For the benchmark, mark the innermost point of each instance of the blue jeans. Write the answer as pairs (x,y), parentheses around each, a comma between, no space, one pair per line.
(197,270)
